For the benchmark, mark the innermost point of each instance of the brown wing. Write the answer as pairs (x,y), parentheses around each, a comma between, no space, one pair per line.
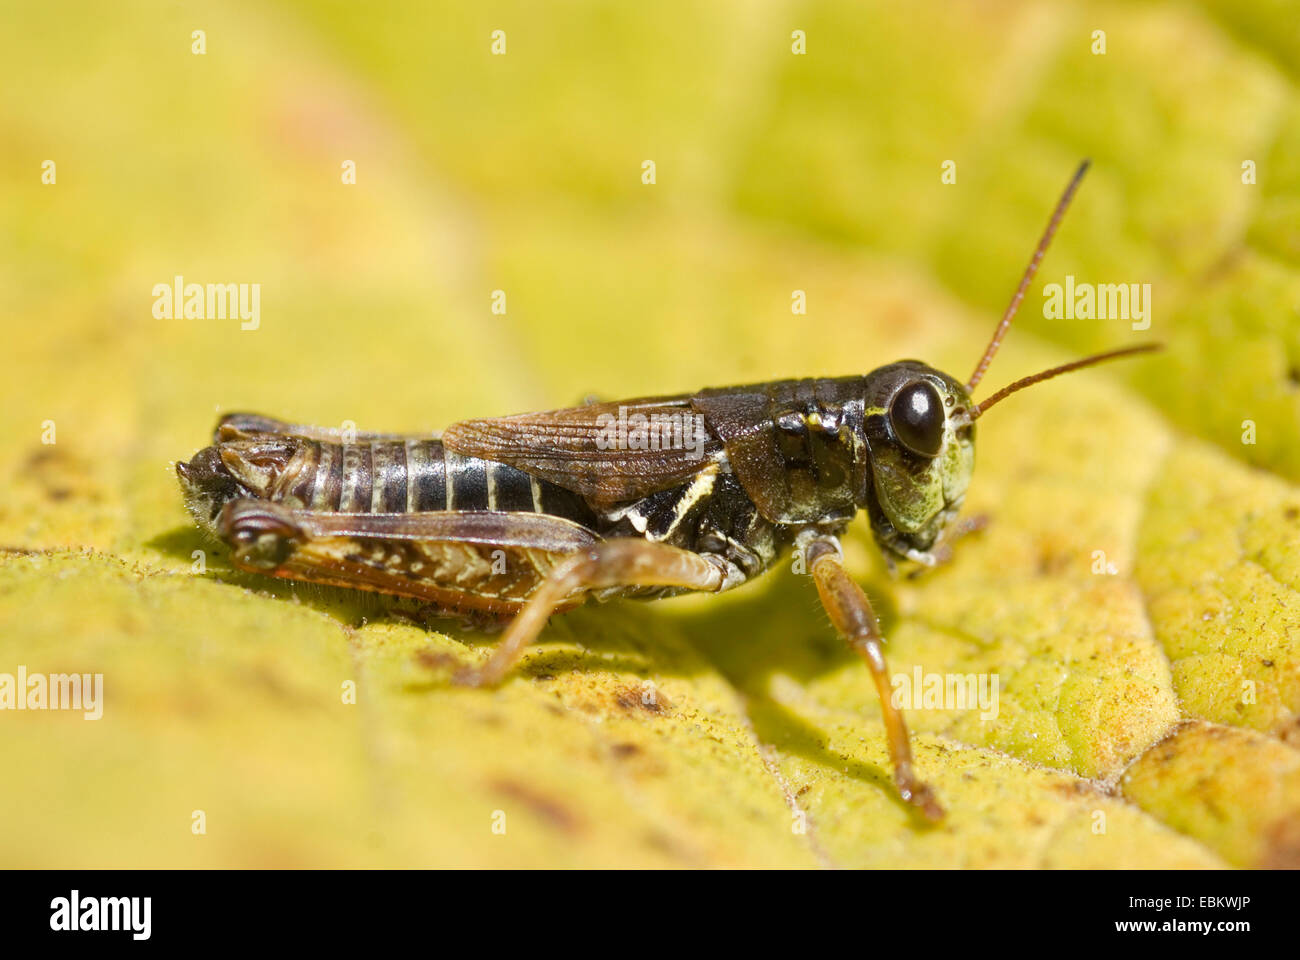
(607,452)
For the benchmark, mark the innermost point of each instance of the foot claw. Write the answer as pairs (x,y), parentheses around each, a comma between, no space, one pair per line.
(468,677)
(483,676)
(923,799)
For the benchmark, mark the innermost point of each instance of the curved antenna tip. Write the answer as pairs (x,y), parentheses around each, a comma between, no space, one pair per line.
(1029,381)
(1000,331)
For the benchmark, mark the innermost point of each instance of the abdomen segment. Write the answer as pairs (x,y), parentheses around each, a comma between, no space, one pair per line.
(368,476)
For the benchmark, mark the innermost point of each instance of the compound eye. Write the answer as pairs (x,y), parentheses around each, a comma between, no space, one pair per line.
(917,418)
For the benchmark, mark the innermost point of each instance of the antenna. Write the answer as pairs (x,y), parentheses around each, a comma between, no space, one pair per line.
(1032,269)
(1057,371)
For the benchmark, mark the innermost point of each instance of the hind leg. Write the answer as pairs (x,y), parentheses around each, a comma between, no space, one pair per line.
(462,561)
(610,563)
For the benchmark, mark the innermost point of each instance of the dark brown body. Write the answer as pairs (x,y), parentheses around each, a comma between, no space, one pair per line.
(730,474)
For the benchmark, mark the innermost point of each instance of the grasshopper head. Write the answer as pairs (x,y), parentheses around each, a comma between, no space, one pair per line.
(922,439)
(920,426)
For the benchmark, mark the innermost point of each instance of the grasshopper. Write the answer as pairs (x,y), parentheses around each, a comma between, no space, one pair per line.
(523,516)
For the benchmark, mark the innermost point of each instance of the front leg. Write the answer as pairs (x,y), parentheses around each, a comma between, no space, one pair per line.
(943,550)
(851,612)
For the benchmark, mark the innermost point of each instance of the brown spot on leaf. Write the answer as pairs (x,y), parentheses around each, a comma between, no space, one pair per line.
(1289,732)
(547,809)
(649,699)
(1282,845)
(1052,558)
(44,455)
(434,660)
(625,750)
(267,679)
(59,474)
(1075,788)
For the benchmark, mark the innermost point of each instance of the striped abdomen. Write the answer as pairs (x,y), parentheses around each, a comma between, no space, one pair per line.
(390,476)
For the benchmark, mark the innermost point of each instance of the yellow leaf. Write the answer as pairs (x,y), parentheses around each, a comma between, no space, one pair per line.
(1134,594)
